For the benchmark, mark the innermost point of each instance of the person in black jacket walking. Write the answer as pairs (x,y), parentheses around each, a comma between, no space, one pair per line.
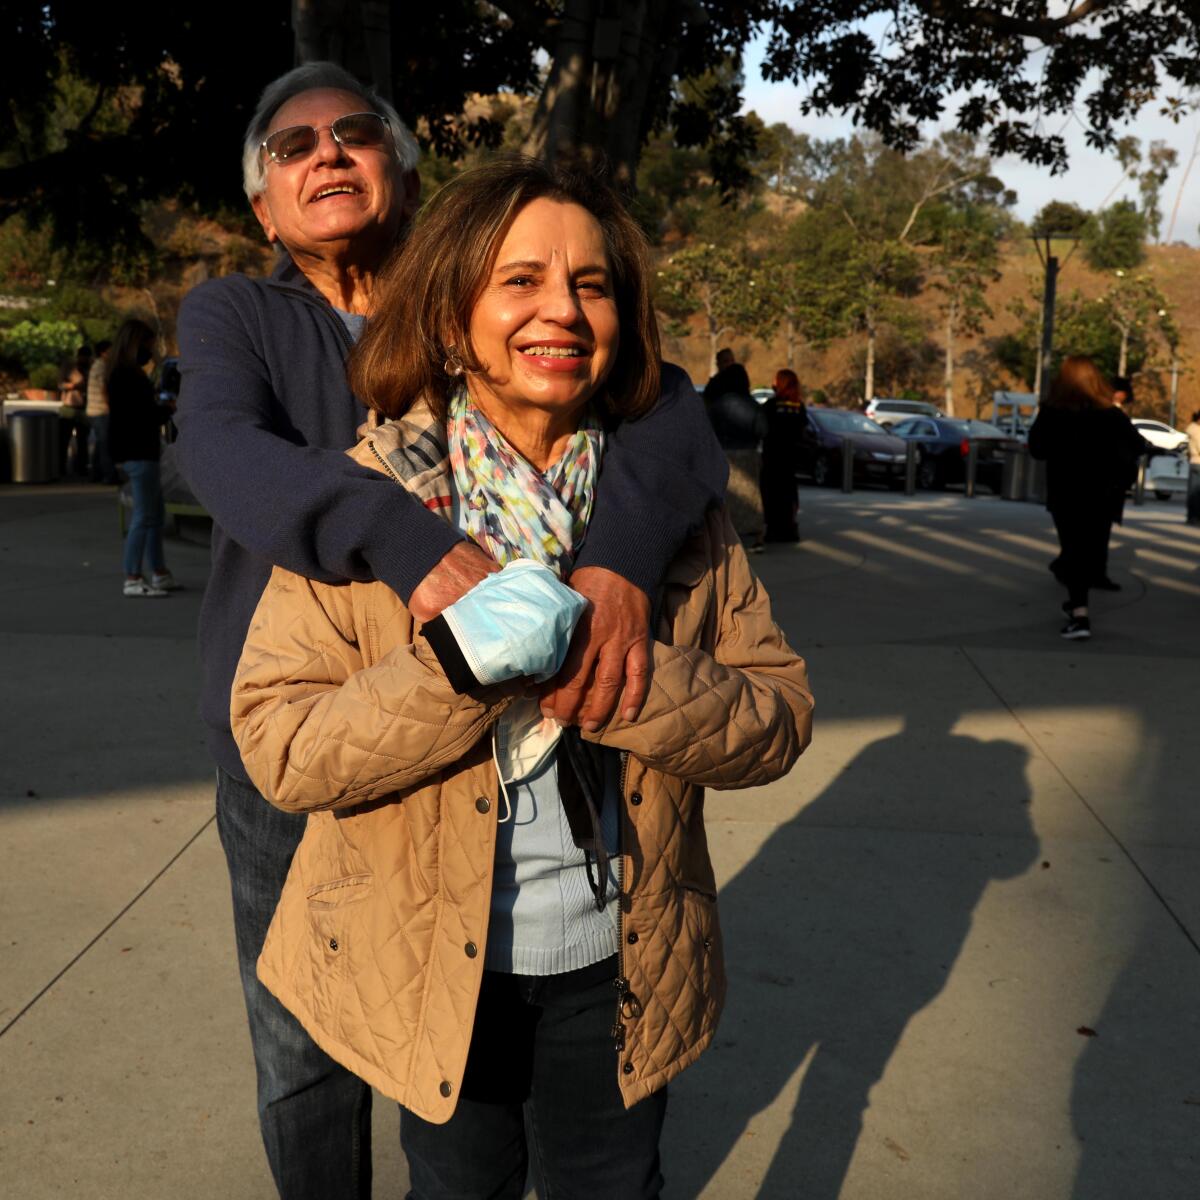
(785,423)
(1091,449)
(135,442)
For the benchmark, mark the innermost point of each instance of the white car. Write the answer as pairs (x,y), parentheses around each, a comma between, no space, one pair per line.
(892,412)
(1160,435)
(1167,475)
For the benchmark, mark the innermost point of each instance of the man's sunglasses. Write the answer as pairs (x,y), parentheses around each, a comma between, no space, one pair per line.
(356,131)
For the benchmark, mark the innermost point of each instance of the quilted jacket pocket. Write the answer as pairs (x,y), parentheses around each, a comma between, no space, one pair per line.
(333,908)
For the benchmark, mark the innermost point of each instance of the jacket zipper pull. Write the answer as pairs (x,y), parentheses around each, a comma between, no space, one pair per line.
(618,1037)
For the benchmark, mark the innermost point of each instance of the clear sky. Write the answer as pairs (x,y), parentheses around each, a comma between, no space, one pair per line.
(1087,181)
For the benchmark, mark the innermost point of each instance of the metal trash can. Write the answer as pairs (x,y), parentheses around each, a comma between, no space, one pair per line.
(33,445)
(1014,465)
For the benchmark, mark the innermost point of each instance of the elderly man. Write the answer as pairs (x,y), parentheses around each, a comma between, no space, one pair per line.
(264,416)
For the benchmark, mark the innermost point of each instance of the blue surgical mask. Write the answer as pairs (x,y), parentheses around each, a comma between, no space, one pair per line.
(516,623)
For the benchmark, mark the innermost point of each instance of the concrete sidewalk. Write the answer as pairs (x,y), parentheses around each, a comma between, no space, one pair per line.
(962,934)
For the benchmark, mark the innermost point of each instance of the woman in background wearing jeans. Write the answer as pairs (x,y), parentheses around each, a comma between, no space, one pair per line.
(135,443)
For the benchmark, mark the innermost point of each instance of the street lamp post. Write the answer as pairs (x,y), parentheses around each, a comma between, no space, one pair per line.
(1052,266)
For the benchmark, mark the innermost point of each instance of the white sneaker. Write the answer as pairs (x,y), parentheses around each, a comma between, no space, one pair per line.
(139,587)
(165,580)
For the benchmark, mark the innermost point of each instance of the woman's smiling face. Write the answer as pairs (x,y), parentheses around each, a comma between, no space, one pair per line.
(545,329)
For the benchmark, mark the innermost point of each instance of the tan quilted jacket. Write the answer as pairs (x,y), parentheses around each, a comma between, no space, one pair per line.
(340,710)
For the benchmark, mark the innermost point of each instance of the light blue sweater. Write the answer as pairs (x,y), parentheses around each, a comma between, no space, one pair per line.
(544,919)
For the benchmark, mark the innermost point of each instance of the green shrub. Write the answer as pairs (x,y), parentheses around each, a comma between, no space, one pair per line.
(44,376)
(34,343)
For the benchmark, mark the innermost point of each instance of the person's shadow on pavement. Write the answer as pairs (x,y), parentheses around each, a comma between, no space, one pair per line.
(844,926)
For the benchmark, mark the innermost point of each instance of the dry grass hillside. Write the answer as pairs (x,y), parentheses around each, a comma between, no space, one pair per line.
(838,370)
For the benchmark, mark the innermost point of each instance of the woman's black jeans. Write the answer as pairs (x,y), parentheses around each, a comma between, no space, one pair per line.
(1083,536)
(541,1076)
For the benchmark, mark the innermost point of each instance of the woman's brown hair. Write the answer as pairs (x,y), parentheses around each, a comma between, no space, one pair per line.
(425,296)
(1080,385)
(128,342)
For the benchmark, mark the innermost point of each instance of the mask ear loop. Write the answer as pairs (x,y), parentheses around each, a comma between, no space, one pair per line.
(508,812)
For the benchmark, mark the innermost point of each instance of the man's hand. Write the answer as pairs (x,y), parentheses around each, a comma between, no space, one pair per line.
(611,647)
(460,569)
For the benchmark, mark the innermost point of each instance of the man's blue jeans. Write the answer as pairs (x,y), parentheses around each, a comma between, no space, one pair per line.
(144,538)
(314,1114)
(541,1077)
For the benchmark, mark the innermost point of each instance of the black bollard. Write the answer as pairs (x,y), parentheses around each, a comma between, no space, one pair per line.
(910,468)
(847,465)
(972,469)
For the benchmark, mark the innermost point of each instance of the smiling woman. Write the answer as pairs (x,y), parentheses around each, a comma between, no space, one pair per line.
(508,912)
(544,303)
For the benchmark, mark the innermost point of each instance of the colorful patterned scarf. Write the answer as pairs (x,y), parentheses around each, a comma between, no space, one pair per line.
(512,509)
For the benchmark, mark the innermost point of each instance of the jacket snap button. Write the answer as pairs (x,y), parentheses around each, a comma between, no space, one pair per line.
(632,939)
(471,949)
(636,798)
(628,1068)
(445,1088)
(333,943)
(483,804)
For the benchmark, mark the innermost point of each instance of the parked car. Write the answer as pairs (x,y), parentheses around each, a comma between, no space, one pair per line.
(891,412)
(762,395)
(944,444)
(1167,475)
(878,455)
(1160,435)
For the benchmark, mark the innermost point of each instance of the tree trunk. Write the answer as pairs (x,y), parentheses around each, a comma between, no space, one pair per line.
(869,382)
(949,378)
(714,334)
(356,34)
(595,105)
(1123,361)
(789,333)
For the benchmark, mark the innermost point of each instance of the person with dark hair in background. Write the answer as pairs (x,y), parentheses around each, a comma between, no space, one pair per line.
(730,378)
(95,415)
(740,425)
(785,421)
(135,438)
(1090,448)
(1122,387)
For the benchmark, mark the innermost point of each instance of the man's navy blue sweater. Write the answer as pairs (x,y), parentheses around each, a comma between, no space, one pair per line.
(265,416)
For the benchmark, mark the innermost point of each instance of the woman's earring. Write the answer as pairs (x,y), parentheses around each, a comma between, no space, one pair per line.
(453,365)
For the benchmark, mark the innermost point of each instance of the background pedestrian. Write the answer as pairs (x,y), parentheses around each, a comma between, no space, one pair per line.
(135,438)
(72,431)
(739,424)
(100,465)
(785,420)
(1091,449)
(1193,494)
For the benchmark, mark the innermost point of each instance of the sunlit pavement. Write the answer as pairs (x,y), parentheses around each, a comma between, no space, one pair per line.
(961,934)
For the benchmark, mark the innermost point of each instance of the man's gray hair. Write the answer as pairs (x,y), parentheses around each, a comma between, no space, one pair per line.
(307,78)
